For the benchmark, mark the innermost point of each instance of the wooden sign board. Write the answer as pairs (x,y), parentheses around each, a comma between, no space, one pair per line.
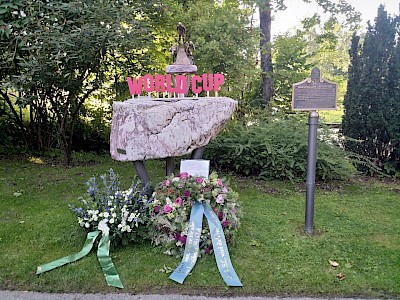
(314,93)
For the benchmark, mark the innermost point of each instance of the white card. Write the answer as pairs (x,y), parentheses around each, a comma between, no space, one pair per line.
(196,167)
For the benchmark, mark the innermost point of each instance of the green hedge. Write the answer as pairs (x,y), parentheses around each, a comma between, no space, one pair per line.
(276,148)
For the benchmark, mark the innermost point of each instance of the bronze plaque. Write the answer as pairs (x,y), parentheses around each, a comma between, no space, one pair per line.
(314,93)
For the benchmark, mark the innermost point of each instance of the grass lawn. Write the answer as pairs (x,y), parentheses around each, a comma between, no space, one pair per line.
(332,116)
(357,224)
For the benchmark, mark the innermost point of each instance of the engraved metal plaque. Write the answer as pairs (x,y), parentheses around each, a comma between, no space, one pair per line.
(314,93)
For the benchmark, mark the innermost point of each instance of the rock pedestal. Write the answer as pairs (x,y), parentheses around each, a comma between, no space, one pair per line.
(147,129)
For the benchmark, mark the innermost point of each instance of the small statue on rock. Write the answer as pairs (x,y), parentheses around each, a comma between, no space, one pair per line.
(182,52)
(189,50)
(174,52)
(181,32)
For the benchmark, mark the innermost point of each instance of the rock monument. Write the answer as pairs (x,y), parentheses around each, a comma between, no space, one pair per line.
(150,128)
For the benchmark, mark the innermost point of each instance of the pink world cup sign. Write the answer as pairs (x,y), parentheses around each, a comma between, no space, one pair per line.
(164,83)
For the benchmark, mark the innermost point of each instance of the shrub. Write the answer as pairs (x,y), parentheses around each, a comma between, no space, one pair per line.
(276,148)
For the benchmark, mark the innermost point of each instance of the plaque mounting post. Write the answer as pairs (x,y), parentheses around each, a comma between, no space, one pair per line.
(311,171)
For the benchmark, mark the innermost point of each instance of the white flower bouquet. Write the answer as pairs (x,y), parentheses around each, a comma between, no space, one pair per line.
(115,212)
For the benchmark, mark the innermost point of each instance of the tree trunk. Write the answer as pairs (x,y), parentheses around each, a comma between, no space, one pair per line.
(14,116)
(265,52)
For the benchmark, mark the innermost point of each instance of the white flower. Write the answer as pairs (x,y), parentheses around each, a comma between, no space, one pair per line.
(124,228)
(114,215)
(220,199)
(87,225)
(106,214)
(22,13)
(103,227)
(133,216)
(111,221)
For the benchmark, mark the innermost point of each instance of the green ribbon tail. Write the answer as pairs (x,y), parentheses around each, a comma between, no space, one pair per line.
(90,239)
(109,271)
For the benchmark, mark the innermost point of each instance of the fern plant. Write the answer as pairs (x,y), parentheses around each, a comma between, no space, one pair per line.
(276,148)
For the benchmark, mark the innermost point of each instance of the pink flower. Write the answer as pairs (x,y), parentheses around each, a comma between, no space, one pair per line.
(225,223)
(178,201)
(221,215)
(186,193)
(219,182)
(183,239)
(220,199)
(167,182)
(156,209)
(183,175)
(208,250)
(199,180)
(224,190)
(167,209)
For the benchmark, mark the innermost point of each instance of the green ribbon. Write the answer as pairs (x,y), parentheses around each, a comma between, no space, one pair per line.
(91,237)
(103,255)
(109,271)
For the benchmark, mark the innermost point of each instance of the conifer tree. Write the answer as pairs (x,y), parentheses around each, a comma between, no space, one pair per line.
(371,102)
(394,106)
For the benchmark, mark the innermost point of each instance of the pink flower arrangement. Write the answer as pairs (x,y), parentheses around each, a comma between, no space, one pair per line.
(175,195)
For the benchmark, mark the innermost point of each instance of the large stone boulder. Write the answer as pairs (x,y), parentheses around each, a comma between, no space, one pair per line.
(147,129)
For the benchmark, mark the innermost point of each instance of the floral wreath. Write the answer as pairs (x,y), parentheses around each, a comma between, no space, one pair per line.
(115,212)
(171,207)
